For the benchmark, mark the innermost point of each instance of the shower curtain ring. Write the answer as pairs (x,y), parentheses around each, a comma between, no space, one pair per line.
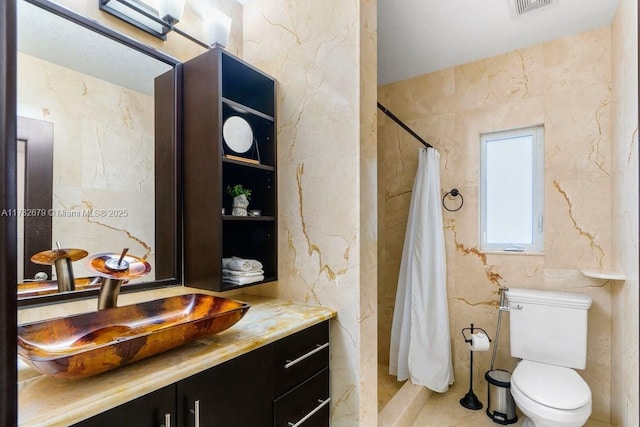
(454,193)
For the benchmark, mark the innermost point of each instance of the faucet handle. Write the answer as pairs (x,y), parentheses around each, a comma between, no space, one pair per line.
(118,265)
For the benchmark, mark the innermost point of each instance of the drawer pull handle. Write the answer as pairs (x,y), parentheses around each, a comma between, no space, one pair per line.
(196,413)
(318,348)
(322,404)
(167,421)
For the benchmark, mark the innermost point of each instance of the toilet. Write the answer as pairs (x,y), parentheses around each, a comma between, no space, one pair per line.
(548,331)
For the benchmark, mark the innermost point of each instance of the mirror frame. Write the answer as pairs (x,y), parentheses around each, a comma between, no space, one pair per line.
(8,233)
(167,158)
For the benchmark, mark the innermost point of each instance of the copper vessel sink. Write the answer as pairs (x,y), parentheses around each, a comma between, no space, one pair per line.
(91,343)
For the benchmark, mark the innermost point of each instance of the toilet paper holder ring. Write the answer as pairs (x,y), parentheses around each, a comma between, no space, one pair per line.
(471,329)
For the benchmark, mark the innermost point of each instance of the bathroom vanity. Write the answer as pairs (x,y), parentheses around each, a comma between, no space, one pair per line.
(271,368)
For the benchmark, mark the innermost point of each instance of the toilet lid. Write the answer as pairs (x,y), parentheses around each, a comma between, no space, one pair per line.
(552,386)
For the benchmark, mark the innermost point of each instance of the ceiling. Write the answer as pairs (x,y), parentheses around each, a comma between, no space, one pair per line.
(421,36)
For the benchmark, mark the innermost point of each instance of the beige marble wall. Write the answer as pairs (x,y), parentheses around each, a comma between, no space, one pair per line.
(563,84)
(103,159)
(326,176)
(624,105)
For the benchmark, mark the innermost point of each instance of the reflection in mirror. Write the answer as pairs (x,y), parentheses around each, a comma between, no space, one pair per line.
(109,103)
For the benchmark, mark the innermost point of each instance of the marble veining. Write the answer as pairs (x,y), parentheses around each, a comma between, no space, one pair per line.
(589,236)
(129,234)
(45,401)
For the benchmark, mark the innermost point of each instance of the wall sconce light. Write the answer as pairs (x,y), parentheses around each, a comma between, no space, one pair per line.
(156,17)
(217,28)
(159,17)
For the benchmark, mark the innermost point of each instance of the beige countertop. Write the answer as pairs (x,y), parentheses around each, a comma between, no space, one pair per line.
(46,401)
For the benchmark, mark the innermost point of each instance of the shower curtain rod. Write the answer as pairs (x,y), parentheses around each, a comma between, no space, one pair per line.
(403,126)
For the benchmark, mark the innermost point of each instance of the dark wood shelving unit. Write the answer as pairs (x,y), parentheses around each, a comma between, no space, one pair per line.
(219,85)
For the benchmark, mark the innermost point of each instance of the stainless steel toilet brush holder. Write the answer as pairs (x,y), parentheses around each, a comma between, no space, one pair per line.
(501,407)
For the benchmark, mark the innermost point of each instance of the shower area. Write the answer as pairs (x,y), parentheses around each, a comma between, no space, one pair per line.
(401,155)
(472,283)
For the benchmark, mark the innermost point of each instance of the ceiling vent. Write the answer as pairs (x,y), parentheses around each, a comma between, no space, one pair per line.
(523,6)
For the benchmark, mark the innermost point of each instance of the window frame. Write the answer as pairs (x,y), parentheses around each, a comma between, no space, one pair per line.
(536,132)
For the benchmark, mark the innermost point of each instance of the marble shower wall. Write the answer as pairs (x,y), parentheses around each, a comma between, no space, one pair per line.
(625,357)
(323,56)
(564,84)
(103,158)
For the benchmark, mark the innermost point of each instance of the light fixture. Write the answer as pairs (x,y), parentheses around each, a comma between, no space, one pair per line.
(156,17)
(217,28)
(159,17)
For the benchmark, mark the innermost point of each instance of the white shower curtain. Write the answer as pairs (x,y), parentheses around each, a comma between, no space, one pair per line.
(420,338)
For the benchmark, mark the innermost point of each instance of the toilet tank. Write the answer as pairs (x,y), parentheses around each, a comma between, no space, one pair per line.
(548,327)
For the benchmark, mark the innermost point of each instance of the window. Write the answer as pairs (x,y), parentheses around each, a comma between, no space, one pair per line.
(512,190)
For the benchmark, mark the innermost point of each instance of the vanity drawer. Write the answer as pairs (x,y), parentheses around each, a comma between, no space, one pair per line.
(306,405)
(299,356)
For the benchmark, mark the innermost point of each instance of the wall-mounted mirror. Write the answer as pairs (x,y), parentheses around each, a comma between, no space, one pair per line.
(97,146)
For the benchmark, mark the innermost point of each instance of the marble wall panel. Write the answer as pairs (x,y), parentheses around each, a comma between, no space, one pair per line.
(323,56)
(625,358)
(563,84)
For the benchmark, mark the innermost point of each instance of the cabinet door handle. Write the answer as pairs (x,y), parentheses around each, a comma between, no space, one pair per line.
(290,363)
(322,404)
(196,413)
(167,421)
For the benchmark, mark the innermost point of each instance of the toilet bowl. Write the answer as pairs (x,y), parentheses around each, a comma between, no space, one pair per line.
(550,396)
(548,333)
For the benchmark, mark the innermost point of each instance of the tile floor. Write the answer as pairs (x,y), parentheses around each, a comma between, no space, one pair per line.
(444,410)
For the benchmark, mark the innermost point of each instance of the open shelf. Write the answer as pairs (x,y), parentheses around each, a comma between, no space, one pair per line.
(604,275)
(218,86)
(248,218)
(248,164)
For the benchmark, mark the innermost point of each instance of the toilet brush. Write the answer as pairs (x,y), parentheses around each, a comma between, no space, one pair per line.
(500,405)
(479,342)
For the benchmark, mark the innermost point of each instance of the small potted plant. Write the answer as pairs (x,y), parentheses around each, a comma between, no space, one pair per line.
(241,197)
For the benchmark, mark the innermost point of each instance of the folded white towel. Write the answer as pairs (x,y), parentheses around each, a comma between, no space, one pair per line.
(241,264)
(240,280)
(227,272)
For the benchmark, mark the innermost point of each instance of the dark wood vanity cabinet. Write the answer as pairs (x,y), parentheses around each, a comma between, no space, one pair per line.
(218,86)
(282,384)
(234,394)
(155,409)
(301,383)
